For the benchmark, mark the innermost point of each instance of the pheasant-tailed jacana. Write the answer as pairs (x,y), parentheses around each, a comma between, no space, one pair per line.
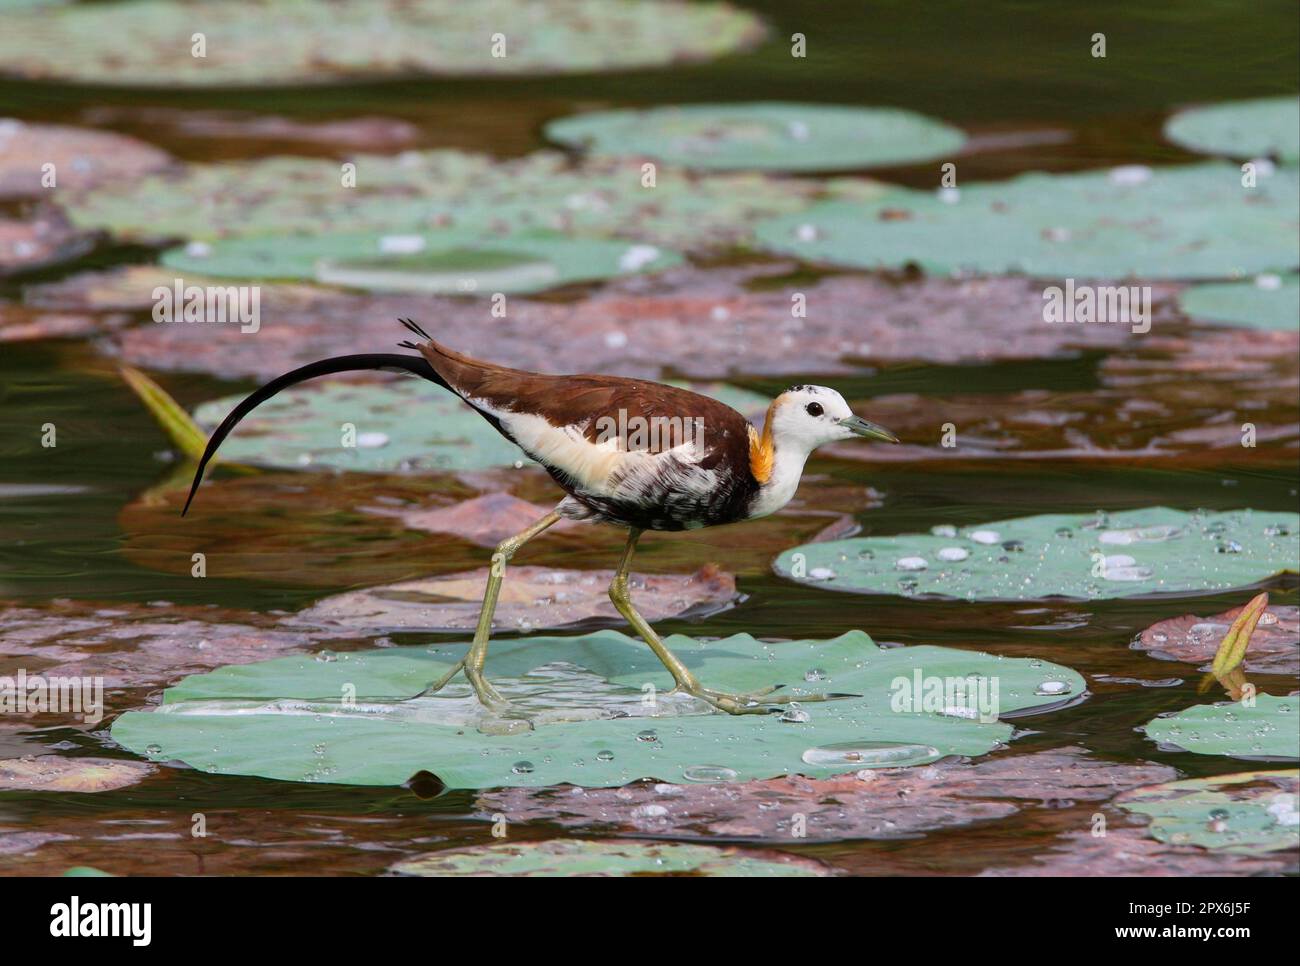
(632,453)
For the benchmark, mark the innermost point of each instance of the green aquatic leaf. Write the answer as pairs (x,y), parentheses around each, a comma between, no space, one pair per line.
(593,711)
(1248,813)
(149,43)
(1270,728)
(1268,302)
(1267,127)
(418,191)
(1196,221)
(767,136)
(433,263)
(404,425)
(579,857)
(1136,552)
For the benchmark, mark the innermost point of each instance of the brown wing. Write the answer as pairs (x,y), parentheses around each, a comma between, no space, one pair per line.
(594,405)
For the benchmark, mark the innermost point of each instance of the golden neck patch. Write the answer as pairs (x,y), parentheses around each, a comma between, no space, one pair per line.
(762,451)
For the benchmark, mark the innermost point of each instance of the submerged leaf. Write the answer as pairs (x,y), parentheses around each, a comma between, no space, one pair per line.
(1274,644)
(53,773)
(1250,813)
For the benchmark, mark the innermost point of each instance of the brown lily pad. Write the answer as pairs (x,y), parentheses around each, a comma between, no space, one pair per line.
(875,804)
(133,648)
(231,130)
(1274,646)
(483,521)
(55,773)
(81,157)
(21,323)
(700,323)
(531,597)
(43,239)
(1126,851)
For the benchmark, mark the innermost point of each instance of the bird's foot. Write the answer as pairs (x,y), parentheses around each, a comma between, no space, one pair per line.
(762,701)
(487,695)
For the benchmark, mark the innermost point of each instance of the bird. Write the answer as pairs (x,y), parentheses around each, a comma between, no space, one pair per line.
(632,453)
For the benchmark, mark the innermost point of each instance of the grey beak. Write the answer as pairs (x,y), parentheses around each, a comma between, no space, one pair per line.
(860,427)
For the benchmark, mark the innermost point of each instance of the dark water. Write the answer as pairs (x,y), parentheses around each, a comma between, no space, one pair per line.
(991,68)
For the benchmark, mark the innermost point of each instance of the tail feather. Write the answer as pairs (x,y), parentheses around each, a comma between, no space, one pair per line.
(391,361)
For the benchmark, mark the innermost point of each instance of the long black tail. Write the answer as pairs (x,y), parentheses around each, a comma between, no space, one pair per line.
(391,361)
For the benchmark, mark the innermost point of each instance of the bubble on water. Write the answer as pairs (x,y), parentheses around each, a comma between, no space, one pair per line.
(952,554)
(987,537)
(709,773)
(1268,617)
(870,754)
(795,715)
(522,768)
(1052,687)
(911,563)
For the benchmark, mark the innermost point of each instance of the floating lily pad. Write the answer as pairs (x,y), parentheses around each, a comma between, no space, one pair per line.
(1249,813)
(304,427)
(765,136)
(1274,646)
(421,191)
(39,241)
(53,773)
(438,263)
(81,158)
(1269,302)
(1268,729)
(531,597)
(584,714)
(1267,127)
(705,323)
(1136,552)
(873,804)
(577,857)
(1196,221)
(148,43)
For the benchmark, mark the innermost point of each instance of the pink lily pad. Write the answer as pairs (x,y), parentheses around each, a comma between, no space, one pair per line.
(82,158)
(55,773)
(1274,646)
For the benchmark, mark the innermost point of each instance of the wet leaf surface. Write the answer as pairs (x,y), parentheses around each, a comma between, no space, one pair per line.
(576,857)
(1262,729)
(531,598)
(594,709)
(81,158)
(1099,556)
(766,136)
(701,323)
(43,239)
(1248,813)
(147,43)
(52,773)
(1128,222)
(1269,302)
(1274,645)
(1262,128)
(874,804)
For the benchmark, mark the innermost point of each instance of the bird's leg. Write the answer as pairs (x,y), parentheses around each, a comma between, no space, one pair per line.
(757,702)
(472,662)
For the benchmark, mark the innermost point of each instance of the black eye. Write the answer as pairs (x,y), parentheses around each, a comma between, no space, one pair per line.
(814,409)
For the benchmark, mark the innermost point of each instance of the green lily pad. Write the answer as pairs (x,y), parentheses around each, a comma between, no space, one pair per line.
(407,424)
(148,42)
(304,427)
(582,715)
(578,857)
(1267,127)
(765,136)
(1268,729)
(1248,813)
(437,263)
(418,191)
(1137,552)
(1268,302)
(1195,221)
